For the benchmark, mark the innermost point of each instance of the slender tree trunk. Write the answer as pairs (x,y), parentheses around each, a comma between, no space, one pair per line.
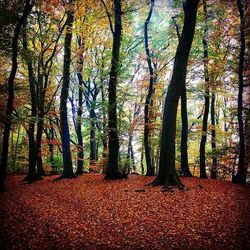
(167,173)
(184,135)
(213,142)
(92,138)
(51,137)
(40,170)
(4,159)
(206,109)
(112,171)
(240,177)
(65,137)
(132,158)
(80,152)
(142,159)
(104,136)
(16,147)
(130,155)
(147,121)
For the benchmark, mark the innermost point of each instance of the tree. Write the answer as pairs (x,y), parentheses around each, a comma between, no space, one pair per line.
(184,120)
(112,171)
(4,160)
(213,139)
(32,174)
(240,177)
(80,153)
(64,126)
(39,60)
(147,121)
(206,96)
(167,173)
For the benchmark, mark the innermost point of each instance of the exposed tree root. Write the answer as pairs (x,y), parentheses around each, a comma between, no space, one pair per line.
(168,182)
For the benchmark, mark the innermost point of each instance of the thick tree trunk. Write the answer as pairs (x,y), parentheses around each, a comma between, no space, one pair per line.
(203,173)
(65,137)
(112,171)
(9,109)
(240,177)
(147,121)
(184,120)
(213,142)
(167,173)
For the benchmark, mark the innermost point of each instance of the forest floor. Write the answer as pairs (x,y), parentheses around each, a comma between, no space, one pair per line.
(92,213)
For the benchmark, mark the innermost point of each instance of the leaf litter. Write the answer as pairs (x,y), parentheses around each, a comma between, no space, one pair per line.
(89,212)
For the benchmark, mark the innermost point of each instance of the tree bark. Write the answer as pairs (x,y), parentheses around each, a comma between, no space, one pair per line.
(32,174)
(213,141)
(112,171)
(206,109)
(142,159)
(167,173)
(184,135)
(240,177)
(4,159)
(147,121)
(80,152)
(184,120)
(64,126)
(92,156)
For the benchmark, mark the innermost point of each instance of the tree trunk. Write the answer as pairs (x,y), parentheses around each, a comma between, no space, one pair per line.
(92,156)
(184,135)
(130,155)
(16,147)
(167,173)
(65,137)
(80,153)
(50,136)
(104,136)
(184,120)
(6,133)
(147,121)
(142,160)
(40,170)
(32,174)
(206,109)
(112,171)
(240,177)
(213,142)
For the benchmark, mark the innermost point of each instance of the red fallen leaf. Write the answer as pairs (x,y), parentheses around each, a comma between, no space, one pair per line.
(89,213)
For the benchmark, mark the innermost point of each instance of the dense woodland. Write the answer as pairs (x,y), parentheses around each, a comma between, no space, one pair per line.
(102,101)
(118,87)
